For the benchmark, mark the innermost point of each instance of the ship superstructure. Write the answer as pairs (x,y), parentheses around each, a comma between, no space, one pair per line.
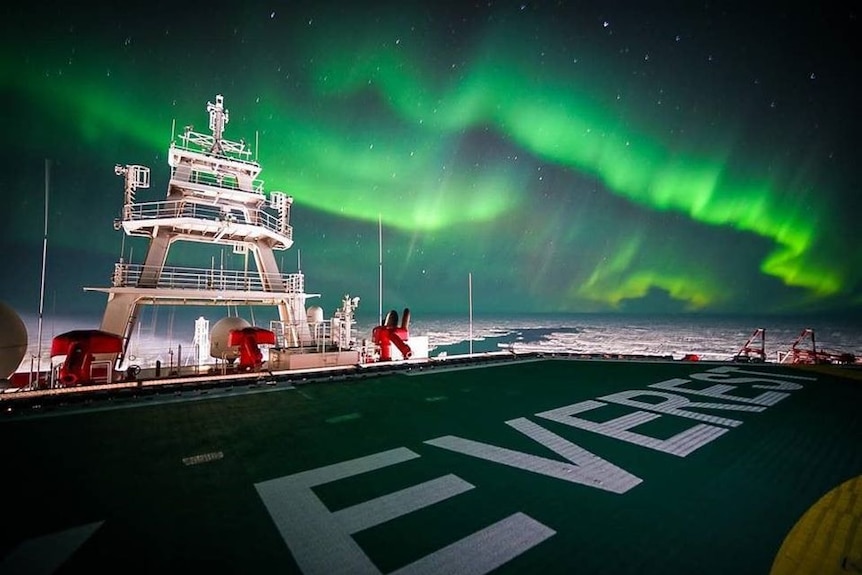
(215,196)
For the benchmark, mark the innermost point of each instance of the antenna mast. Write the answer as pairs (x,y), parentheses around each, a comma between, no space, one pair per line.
(379,270)
(42,286)
(470,297)
(219,117)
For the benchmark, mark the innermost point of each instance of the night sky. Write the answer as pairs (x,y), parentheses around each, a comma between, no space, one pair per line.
(571,156)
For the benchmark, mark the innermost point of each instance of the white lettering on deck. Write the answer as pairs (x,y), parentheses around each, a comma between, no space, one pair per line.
(720,373)
(720,391)
(585,468)
(720,376)
(680,444)
(321,541)
(679,406)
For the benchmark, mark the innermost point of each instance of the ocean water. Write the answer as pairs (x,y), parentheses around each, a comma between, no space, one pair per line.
(171,341)
(709,337)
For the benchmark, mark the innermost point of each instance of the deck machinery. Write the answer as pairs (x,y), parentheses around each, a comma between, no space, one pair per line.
(801,355)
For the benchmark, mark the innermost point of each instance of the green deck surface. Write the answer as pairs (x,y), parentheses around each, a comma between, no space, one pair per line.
(173,486)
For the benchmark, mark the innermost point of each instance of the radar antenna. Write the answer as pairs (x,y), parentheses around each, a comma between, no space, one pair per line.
(218,119)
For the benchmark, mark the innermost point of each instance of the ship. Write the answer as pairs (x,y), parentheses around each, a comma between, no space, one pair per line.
(215,197)
(364,458)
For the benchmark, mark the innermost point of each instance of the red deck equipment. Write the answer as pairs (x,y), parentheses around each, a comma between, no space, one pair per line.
(750,351)
(79,347)
(390,332)
(249,340)
(813,355)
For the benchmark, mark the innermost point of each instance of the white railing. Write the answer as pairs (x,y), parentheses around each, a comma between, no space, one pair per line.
(185,209)
(138,275)
(318,336)
(205,142)
(224,181)
(300,334)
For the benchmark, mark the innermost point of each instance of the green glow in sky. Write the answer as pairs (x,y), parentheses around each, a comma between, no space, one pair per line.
(572,172)
(559,126)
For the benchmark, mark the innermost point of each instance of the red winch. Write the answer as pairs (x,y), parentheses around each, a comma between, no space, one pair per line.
(390,332)
(249,340)
(80,347)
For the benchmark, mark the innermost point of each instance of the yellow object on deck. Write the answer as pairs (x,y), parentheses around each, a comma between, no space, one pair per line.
(828,537)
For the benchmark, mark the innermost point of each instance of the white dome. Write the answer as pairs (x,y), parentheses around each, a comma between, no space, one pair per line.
(219,334)
(314,314)
(13,341)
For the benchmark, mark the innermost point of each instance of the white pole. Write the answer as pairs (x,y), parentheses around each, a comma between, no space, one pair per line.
(245,270)
(42,286)
(379,269)
(470,295)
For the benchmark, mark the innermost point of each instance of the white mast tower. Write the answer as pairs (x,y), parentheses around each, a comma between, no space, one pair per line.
(213,197)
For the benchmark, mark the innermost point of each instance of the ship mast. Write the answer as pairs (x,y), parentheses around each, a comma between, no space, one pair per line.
(214,197)
(218,119)
(38,370)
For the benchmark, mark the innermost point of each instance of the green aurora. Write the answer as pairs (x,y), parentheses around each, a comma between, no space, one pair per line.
(565,173)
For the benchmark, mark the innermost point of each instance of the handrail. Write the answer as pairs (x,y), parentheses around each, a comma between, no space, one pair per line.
(173,277)
(203,143)
(224,181)
(186,209)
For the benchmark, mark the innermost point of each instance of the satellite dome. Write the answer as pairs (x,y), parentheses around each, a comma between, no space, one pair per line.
(13,341)
(219,334)
(314,314)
